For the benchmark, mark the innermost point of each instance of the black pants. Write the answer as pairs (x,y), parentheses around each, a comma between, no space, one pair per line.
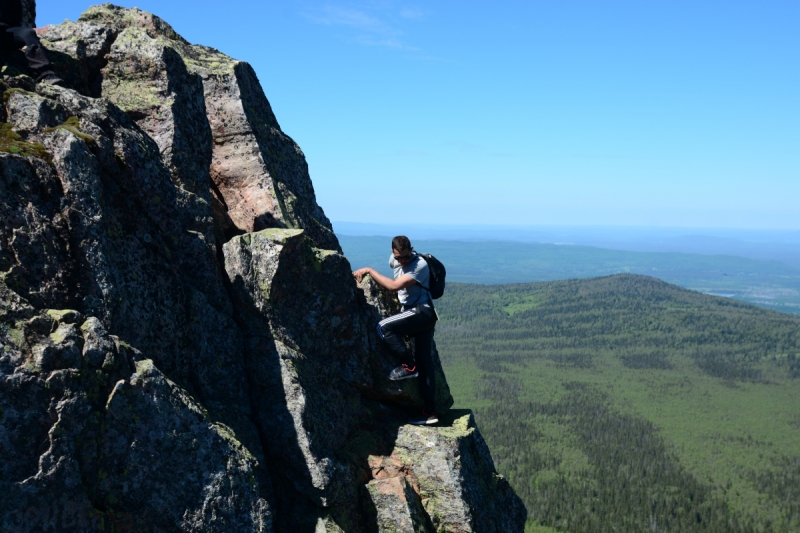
(419,323)
(26,38)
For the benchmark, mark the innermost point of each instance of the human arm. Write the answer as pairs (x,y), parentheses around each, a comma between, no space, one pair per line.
(402,282)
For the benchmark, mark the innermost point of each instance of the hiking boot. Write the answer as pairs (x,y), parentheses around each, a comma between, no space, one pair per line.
(50,78)
(427,418)
(403,372)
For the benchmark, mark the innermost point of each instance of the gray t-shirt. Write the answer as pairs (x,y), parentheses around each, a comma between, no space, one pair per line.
(418,269)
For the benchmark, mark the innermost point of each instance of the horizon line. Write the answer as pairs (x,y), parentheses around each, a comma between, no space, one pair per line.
(553,225)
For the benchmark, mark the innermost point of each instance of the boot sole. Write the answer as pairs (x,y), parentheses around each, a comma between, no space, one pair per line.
(405,377)
(424,423)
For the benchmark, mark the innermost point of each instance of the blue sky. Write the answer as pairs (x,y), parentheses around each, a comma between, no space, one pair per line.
(526,113)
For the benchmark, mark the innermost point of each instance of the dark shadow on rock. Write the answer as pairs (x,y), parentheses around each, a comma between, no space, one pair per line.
(74,72)
(15,63)
(375,439)
(272,418)
(267,220)
(286,164)
(310,353)
(224,228)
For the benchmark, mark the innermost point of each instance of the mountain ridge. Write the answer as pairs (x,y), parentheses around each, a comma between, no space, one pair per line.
(767,283)
(183,345)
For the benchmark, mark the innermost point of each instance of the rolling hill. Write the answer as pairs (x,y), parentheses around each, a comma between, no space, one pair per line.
(623,403)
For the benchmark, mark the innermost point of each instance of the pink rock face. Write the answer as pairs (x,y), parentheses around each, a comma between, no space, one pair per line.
(260,172)
(398,507)
(249,201)
(237,166)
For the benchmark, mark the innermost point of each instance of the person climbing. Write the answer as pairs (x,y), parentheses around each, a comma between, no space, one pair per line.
(14,36)
(417,319)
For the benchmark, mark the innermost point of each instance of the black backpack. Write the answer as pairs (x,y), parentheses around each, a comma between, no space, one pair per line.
(438,273)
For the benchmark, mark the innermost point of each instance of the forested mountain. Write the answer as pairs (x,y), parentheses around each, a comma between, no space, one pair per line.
(624,403)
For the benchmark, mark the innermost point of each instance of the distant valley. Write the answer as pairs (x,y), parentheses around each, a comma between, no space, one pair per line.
(623,403)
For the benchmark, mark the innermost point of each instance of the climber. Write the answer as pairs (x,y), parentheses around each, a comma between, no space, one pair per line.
(13,37)
(417,320)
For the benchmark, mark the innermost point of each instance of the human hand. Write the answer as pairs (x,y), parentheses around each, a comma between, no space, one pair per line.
(360,273)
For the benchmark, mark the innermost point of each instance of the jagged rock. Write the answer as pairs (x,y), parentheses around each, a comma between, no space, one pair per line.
(397,506)
(78,51)
(118,18)
(312,352)
(382,300)
(28,13)
(96,459)
(260,173)
(29,112)
(302,326)
(154,422)
(100,231)
(455,475)
(182,344)
(33,251)
(98,348)
(147,78)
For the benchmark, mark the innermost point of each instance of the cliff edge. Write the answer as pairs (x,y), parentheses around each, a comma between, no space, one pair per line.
(182,344)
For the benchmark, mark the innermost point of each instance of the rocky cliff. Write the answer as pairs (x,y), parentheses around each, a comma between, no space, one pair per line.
(182,344)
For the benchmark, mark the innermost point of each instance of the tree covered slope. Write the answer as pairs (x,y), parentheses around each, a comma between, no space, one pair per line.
(623,403)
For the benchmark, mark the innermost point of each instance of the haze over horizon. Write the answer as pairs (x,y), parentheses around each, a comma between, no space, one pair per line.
(760,244)
(524,114)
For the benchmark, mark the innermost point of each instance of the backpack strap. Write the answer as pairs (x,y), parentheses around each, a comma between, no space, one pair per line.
(430,299)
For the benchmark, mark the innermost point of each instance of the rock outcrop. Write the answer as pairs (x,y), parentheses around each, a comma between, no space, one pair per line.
(182,344)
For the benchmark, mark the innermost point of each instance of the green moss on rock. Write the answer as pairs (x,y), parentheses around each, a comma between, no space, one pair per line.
(280,235)
(7,94)
(319,256)
(17,336)
(144,366)
(58,336)
(460,427)
(200,59)
(133,95)
(64,316)
(11,142)
(230,436)
(72,125)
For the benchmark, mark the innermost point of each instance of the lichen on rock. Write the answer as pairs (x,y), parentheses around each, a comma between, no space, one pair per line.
(11,142)
(397,506)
